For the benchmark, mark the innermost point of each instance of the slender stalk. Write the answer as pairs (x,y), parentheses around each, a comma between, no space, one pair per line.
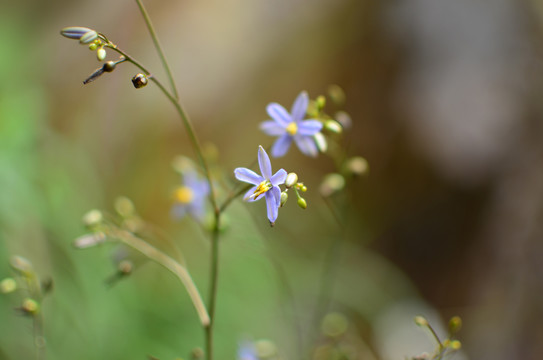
(214,276)
(173,266)
(158,48)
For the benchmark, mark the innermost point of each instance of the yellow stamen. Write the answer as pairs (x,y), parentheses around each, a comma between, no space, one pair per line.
(261,189)
(292,128)
(183,195)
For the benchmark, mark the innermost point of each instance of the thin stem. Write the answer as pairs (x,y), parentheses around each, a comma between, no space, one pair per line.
(214,275)
(173,266)
(158,48)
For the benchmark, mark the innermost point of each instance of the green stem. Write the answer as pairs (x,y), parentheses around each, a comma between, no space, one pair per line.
(214,274)
(158,47)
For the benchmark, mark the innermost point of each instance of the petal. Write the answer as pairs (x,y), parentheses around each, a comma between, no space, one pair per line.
(281,145)
(299,107)
(279,177)
(271,127)
(307,145)
(276,191)
(279,114)
(248,176)
(264,163)
(309,127)
(272,206)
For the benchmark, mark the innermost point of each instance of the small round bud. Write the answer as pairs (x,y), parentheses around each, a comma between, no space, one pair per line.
(357,165)
(284,198)
(30,306)
(109,66)
(334,324)
(125,267)
(196,354)
(303,188)
(92,218)
(139,81)
(421,321)
(320,101)
(93,46)
(8,285)
(344,119)
(332,183)
(101,54)
(456,345)
(291,180)
(455,324)
(333,126)
(88,37)
(89,240)
(124,207)
(321,142)
(337,94)
(302,203)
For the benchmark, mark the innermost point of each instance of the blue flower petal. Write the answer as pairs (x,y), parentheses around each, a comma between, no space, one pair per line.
(272,128)
(281,145)
(264,163)
(309,127)
(279,177)
(247,196)
(279,114)
(299,107)
(276,191)
(272,206)
(248,176)
(307,145)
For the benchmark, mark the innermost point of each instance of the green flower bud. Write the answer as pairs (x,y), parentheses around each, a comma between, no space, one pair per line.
(292,179)
(101,54)
(124,207)
(197,353)
(88,37)
(337,94)
(455,324)
(93,46)
(334,324)
(30,306)
(344,119)
(75,32)
(320,102)
(320,141)
(421,321)
(93,218)
(125,267)
(302,203)
(139,81)
(8,285)
(332,183)
(456,345)
(333,126)
(284,198)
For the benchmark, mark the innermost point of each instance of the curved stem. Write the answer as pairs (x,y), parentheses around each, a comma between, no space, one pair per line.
(158,47)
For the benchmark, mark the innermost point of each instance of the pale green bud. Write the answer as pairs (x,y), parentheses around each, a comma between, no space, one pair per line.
(455,324)
(344,119)
(88,37)
(101,54)
(302,203)
(93,46)
(124,207)
(357,165)
(320,141)
(320,102)
(334,324)
(337,94)
(456,345)
(421,321)
(333,126)
(8,285)
(291,180)
(331,184)
(30,306)
(182,163)
(284,198)
(93,218)
(125,267)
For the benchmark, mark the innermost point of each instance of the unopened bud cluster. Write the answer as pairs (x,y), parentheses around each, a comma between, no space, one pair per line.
(446,347)
(291,182)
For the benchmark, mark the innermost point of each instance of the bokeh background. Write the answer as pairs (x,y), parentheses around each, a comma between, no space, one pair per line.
(445,104)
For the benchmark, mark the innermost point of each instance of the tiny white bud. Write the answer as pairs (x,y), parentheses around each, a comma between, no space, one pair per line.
(284,198)
(292,179)
(101,54)
(333,126)
(332,183)
(89,240)
(320,141)
(92,218)
(8,285)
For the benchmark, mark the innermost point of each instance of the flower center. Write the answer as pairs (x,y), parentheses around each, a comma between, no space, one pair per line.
(261,189)
(292,128)
(183,195)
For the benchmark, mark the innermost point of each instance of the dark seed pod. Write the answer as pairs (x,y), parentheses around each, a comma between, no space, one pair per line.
(109,66)
(139,81)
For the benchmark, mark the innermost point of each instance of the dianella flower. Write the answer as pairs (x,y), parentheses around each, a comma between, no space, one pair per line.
(292,127)
(265,185)
(190,197)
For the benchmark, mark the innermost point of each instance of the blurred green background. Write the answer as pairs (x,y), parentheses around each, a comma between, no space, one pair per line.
(445,102)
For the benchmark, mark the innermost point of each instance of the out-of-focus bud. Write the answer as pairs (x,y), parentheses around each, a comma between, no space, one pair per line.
(265,349)
(88,37)
(291,180)
(124,207)
(337,94)
(331,184)
(75,32)
(22,265)
(357,165)
(302,203)
(334,324)
(197,354)
(455,324)
(284,198)
(456,345)
(93,46)
(320,102)
(421,321)
(139,81)
(333,126)
(344,119)
(182,163)
(8,285)
(101,54)
(320,141)
(92,218)
(109,66)
(89,240)
(125,267)
(30,306)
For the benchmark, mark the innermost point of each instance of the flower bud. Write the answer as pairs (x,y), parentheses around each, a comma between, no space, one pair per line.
(88,37)
(332,183)
(125,267)
(357,165)
(456,345)
(302,203)
(92,218)
(30,306)
(421,321)
(8,285)
(334,324)
(109,66)
(75,32)
(320,102)
(344,119)
(284,198)
(333,126)
(139,81)
(455,324)
(101,54)
(89,240)
(292,179)
(320,141)
(337,94)
(124,207)
(93,46)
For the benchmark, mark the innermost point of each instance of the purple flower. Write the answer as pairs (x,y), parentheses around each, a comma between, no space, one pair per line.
(190,197)
(265,185)
(292,127)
